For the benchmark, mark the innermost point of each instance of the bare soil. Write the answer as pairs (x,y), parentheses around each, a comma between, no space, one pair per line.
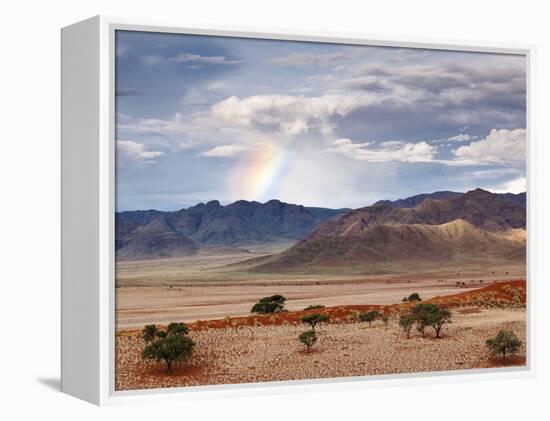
(227,355)
(191,289)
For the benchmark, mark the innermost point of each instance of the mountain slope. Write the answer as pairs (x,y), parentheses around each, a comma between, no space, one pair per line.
(238,224)
(453,241)
(155,240)
(478,225)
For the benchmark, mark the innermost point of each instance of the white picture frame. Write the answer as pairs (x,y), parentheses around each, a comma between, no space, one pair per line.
(88,197)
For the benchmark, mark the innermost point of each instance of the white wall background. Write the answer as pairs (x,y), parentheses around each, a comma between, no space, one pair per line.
(29,238)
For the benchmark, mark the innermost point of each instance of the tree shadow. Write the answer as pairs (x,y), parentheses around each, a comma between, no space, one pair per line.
(53,383)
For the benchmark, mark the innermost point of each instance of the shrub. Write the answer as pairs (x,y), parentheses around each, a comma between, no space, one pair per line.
(308,338)
(369,317)
(505,342)
(313,319)
(406,322)
(314,307)
(415,296)
(267,305)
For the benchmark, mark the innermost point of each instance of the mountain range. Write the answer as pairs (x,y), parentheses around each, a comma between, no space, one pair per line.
(471,226)
(436,226)
(154,234)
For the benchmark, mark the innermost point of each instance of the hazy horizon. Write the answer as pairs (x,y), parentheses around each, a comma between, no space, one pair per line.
(204,118)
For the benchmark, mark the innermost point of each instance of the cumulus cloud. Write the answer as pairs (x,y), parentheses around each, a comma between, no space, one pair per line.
(501,146)
(390,151)
(290,114)
(129,152)
(224,151)
(518,185)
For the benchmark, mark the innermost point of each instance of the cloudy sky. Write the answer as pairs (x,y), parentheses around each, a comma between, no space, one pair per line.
(202,118)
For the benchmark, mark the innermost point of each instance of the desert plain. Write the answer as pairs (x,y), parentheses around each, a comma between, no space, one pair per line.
(233,346)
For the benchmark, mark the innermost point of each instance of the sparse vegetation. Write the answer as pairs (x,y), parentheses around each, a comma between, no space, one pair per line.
(314,319)
(267,305)
(385,319)
(308,338)
(314,307)
(369,317)
(171,346)
(505,342)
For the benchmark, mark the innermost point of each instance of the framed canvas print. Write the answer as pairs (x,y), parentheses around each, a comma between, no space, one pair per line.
(250,209)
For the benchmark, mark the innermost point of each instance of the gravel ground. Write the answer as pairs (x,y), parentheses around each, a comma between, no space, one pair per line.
(269,353)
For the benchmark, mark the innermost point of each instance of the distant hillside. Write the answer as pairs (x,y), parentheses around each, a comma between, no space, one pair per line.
(413,201)
(153,234)
(476,225)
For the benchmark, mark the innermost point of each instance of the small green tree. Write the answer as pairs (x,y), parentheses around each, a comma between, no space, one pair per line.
(149,333)
(422,314)
(439,319)
(506,342)
(406,322)
(308,338)
(313,319)
(271,304)
(170,349)
(428,314)
(369,317)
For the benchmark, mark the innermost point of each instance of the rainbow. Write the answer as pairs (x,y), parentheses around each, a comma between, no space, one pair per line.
(259,173)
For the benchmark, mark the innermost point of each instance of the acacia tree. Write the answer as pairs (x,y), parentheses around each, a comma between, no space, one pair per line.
(149,333)
(422,314)
(308,338)
(171,349)
(439,319)
(428,314)
(313,319)
(369,317)
(171,345)
(271,304)
(406,322)
(506,342)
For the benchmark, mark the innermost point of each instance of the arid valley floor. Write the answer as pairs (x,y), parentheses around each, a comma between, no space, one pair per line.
(233,346)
